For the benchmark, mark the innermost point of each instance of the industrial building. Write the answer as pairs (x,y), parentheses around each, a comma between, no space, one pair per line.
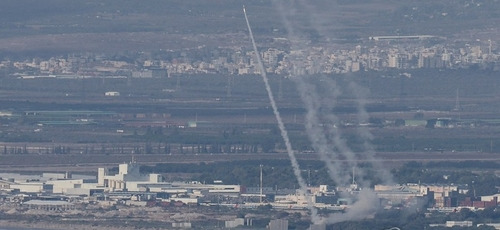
(408,37)
(129,186)
(279,224)
(150,73)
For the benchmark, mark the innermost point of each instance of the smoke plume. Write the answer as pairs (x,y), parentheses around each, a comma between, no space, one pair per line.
(284,134)
(322,124)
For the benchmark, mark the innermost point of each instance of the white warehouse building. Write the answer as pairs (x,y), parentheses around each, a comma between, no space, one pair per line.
(128,179)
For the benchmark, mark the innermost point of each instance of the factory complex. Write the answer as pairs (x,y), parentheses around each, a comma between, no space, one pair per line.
(129,187)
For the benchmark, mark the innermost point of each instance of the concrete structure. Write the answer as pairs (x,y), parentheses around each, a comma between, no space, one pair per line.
(56,176)
(5,184)
(126,172)
(490,198)
(494,225)
(235,223)
(313,60)
(414,37)
(5,114)
(49,204)
(101,173)
(450,224)
(150,73)
(30,187)
(491,201)
(279,224)
(45,182)
(185,200)
(112,94)
(317,227)
(20,178)
(442,195)
(181,225)
(60,186)
(129,179)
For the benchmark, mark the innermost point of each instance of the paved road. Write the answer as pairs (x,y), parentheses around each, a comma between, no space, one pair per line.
(78,162)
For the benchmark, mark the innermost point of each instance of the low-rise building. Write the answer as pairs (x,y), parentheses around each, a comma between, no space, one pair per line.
(450,224)
(279,224)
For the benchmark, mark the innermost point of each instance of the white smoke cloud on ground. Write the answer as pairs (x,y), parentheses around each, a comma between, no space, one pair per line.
(366,205)
(284,133)
(327,140)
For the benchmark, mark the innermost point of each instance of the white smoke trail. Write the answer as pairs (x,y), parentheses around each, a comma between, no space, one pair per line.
(317,20)
(335,133)
(367,201)
(326,136)
(365,134)
(316,110)
(311,100)
(284,134)
(319,141)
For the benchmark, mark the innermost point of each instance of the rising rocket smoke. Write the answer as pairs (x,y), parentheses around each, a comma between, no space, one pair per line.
(284,134)
(317,20)
(319,141)
(325,140)
(328,141)
(326,147)
(364,133)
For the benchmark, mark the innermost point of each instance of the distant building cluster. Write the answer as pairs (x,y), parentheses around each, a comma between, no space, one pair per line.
(379,53)
(64,192)
(129,186)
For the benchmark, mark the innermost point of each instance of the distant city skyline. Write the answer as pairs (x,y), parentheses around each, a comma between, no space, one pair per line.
(330,59)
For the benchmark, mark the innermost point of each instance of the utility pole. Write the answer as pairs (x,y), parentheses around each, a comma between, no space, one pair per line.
(491,146)
(280,89)
(489,47)
(474,189)
(457,103)
(260,196)
(229,86)
(178,83)
(309,176)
